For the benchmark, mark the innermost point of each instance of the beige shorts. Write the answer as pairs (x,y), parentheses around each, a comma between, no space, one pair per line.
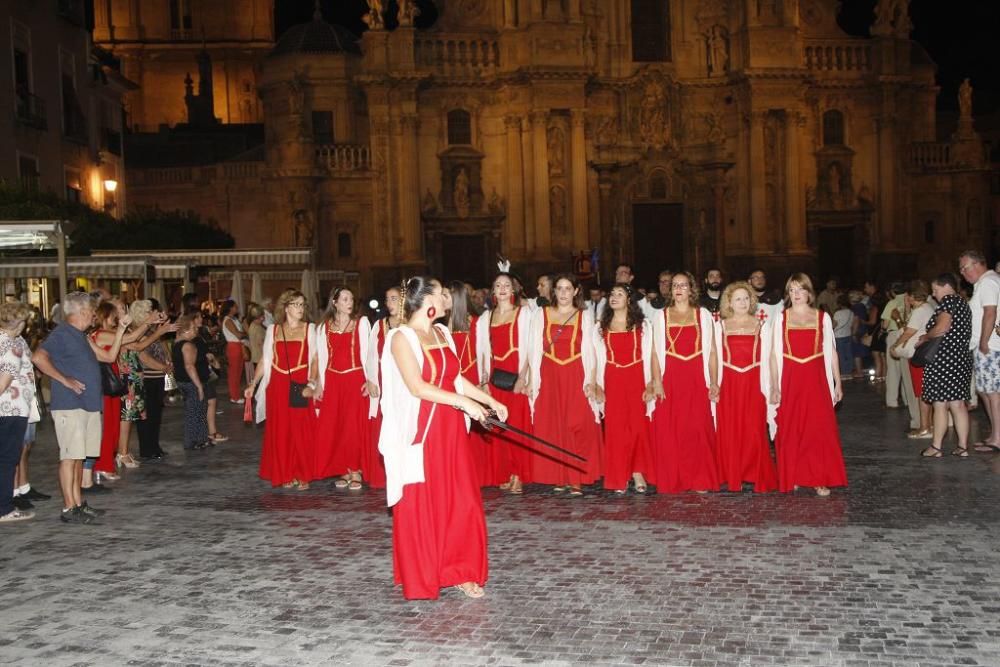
(78,433)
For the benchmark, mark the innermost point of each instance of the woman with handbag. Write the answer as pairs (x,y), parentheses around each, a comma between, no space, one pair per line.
(805,385)
(438,525)
(947,360)
(564,397)
(920,314)
(343,443)
(373,371)
(284,390)
(502,337)
(623,345)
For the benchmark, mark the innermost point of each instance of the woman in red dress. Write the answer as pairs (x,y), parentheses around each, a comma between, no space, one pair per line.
(624,344)
(805,385)
(502,336)
(343,439)
(108,337)
(287,454)
(563,393)
(683,428)
(373,371)
(462,324)
(438,525)
(744,451)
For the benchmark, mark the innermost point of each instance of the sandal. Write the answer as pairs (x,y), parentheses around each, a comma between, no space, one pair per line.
(218,437)
(986,447)
(354,485)
(575,492)
(960,452)
(640,488)
(342,482)
(935,453)
(302,486)
(471,589)
(822,491)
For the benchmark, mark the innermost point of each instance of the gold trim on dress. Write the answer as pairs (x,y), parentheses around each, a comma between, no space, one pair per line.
(550,343)
(727,354)
(817,349)
(673,340)
(298,362)
(329,366)
(511,348)
(636,357)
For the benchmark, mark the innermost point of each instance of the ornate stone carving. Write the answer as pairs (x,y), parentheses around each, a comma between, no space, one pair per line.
(965,99)
(892,17)
(714,132)
(654,120)
(374,18)
(717,50)
(461,198)
(496,205)
(429,205)
(408,11)
(557,209)
(303,228)
(606,130)
(556,140)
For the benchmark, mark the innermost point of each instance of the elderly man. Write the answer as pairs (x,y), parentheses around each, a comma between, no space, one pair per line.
(70,358)
(985,342)
(894,317)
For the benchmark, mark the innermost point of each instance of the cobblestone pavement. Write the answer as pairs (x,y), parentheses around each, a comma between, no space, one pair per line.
(199,563)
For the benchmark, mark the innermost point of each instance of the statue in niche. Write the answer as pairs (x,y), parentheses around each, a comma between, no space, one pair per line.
(461,194)
(892,17)
(303,228)
(557,150)
(717,46)
(429,204)
(835,184)
(408,11)
(557,208)
(496,204)
(715,134)
(654,127)
(965,99)
(374,17)
(607,130)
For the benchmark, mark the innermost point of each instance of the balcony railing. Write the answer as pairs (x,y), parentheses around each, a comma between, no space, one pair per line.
(240,170)
(30,111)
(944,156)
(160,176)
(344,157)
(838,55)
(458,56)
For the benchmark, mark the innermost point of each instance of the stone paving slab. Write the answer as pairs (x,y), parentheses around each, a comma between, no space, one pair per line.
(200,563)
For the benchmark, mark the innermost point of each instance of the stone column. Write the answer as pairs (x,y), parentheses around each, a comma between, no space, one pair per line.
(609,233)
(719,195)
(514,222)
(543,229)
(578,159)
(758,208)
(409,194)
(884,236)
(795,213)
(528,185)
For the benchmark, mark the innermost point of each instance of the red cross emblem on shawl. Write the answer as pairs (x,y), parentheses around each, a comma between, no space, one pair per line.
(761,315)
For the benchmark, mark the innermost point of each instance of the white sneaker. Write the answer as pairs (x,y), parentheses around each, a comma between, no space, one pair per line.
(17,515)
(239,402)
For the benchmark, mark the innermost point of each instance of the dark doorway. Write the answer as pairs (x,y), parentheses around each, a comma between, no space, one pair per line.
(658,241)
(463,257)
(837,255)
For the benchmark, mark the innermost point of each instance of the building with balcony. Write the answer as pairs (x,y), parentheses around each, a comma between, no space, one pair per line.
(61,107)
(667,134)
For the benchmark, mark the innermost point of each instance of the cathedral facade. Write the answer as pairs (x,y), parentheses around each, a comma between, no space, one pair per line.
(664,133)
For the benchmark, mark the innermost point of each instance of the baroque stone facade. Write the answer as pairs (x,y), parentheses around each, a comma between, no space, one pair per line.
(708,132)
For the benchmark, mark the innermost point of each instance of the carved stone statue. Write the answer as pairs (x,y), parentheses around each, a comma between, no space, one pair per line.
(654,126)
(374,18)
(496,204)
(461,194)
(717,46)
(892,17)
(965,99)
(607,130)
(303,228)
(715,134)
(557,150)
(408,11)
(429,204)
(557,208)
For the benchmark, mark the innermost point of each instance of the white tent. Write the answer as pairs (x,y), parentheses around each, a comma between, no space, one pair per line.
(256,289)
(236,292)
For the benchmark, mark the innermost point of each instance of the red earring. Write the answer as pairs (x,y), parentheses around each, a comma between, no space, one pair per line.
(431,312)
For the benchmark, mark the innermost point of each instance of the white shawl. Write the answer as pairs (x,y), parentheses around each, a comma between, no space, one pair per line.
(535,349)
(404,460)
(484,351)
(707,323)
(371,362)
(364,332)
(601,353)
(267,360)
(778,346)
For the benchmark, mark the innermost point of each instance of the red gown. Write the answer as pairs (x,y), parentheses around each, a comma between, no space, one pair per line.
(562,414)
(289,433)
(110,425)
(683,432)
(741,417)
(465,344)
(808,440)
(375,465)
(508,454)
(344,436)
(438,527)
(626,428)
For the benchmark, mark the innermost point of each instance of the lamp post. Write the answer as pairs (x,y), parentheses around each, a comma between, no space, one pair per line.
(110,185)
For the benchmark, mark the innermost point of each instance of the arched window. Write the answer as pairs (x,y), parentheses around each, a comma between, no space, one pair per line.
(833,128)
(459,127)
(650,31)
(344,245)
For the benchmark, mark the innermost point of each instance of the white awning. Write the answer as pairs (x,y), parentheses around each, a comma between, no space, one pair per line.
(277,257)
(80,267)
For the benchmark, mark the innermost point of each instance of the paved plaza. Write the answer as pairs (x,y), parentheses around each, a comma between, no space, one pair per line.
(200,563)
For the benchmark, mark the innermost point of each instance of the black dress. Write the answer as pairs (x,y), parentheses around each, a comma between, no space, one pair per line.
(949,376)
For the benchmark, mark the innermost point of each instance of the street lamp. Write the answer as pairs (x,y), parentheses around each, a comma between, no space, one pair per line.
(110,185)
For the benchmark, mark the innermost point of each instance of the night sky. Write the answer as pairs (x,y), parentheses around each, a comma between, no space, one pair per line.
(959,35)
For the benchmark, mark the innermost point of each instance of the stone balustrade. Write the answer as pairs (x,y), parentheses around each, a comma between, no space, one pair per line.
(240,170)
(827,55)
(458,55)
(160,176)
(344,157)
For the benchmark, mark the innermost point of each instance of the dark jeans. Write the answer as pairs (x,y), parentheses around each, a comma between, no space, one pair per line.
(149,428)
(195,416)
(11,442)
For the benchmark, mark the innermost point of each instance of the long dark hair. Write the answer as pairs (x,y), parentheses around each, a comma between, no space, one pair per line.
(572,280)
(331,305)
(458,320)
(633,314)
(414,291)
(515,292)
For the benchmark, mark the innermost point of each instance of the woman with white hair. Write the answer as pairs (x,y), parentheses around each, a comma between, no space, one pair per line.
(17,402)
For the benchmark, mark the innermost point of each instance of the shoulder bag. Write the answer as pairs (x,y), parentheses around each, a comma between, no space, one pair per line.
(295,389)
(924,353)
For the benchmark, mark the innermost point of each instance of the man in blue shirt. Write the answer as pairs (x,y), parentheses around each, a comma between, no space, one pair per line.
(70,358)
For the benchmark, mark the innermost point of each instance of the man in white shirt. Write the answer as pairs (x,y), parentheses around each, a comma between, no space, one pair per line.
(985,342)
(894,318)
(596,303)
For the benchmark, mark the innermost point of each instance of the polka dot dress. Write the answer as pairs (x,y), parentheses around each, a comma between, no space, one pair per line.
(949,376)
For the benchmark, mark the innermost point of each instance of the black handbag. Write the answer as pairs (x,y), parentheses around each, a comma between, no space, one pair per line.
(925,352)
(112,383)
(295,389)
(502,379)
